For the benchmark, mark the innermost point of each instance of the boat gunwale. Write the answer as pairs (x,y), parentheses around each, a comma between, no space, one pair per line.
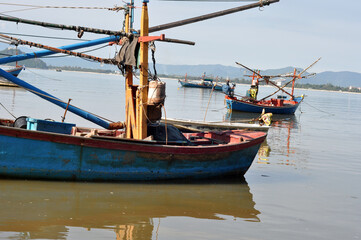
(218,124)
(129,144)
(260,105)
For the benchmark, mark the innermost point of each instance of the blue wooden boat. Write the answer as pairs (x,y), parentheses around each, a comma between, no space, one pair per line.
(62,151)
(139,149)
(103,156)
(275,106)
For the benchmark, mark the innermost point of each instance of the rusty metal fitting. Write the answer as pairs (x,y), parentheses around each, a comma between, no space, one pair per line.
(116,125)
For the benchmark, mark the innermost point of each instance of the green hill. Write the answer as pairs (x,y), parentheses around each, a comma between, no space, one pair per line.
(32,63)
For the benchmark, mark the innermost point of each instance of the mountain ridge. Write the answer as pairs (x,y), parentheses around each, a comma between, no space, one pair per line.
(341,78)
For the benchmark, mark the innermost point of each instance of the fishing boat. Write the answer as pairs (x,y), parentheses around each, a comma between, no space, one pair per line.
(280,105)
(273,105)
(138,149)
(103,155)
(15,71)
(202,83)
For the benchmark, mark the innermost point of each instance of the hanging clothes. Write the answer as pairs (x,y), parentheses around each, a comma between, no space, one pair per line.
(128,54)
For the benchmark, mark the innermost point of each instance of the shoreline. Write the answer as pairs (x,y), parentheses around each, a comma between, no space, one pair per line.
(173,78)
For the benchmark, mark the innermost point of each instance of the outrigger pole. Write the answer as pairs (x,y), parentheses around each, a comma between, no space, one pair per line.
(261,3)
(60,103)
(43,53)
(81,29)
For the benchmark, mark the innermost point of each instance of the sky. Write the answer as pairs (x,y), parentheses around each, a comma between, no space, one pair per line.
(288,33)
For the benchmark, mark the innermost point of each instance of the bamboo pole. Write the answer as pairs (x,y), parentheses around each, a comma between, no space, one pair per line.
(43,53)
(59,50)
(62,26)
(266,78)
(261,3)
(213,87)
(79,29)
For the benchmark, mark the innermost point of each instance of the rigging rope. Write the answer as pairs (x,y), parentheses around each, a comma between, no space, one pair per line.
(37,74)
(7,110)
(42,36)
(153,48)
(57,99)
(91,50)
(115,8)
(19,10)
(331,114)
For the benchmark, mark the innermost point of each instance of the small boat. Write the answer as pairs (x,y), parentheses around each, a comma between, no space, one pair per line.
(274,105)
(15,71)
(195,125)
(279,105)
(202,83)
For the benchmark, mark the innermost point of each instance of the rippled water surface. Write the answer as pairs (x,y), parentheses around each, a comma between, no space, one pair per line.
(303,184)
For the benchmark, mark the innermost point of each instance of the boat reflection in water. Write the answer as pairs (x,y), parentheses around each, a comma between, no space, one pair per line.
(263,153)
(279,136)
(54,210)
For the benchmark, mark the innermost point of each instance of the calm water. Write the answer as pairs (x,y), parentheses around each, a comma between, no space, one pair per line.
(303,184)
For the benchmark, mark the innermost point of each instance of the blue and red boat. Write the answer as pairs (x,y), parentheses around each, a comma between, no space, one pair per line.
(274,105)
(279,105)
(103,156)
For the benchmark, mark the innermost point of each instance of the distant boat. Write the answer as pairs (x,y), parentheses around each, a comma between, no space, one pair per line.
(15,71)
(202,83)
(58,70)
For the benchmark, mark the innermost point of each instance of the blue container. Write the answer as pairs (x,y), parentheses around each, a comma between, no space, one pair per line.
(49,126)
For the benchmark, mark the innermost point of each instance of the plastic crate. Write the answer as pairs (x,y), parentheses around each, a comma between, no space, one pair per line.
(49,126)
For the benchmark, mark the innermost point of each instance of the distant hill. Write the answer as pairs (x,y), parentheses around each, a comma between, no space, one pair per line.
(78,62)
(342,79)
(32,63)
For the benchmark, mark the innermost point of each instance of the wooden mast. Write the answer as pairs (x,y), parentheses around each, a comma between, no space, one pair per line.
(137,96)
(142,96)
(129,94)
